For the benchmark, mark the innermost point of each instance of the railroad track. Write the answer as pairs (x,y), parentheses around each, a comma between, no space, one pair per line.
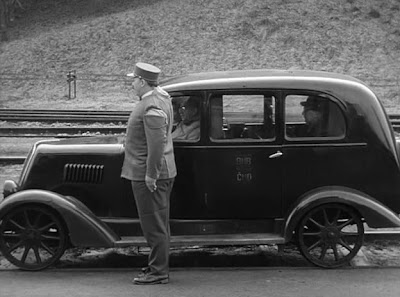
(87,116)
(65,132)
(75,116)
(395,120)
(51,115)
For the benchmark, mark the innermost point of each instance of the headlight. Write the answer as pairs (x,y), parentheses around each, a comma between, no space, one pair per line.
(10,187)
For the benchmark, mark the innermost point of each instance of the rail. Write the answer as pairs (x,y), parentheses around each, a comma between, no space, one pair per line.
(65,132)
(84,116)
(79,117)
(87,116)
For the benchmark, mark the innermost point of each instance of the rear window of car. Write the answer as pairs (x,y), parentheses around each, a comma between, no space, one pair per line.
(310,116)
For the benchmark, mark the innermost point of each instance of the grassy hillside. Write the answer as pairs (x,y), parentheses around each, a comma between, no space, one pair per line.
(100,37)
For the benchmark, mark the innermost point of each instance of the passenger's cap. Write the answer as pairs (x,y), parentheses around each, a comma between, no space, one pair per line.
(312,102)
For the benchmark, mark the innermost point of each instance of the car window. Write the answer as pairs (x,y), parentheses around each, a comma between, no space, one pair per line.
(186,118)
(242,117)
(313,116)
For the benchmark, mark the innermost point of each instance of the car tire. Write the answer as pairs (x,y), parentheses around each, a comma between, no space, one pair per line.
(32,237)
(330,235)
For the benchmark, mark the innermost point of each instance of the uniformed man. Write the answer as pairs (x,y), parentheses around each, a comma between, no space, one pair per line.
(150,166)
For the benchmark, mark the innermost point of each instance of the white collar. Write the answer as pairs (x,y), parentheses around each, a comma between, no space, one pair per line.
(147,94)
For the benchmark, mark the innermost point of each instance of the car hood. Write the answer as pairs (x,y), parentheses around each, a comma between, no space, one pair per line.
(86,140)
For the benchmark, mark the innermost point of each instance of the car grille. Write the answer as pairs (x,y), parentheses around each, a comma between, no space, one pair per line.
(83,173)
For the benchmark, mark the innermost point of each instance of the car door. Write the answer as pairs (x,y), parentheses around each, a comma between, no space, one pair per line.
(316,153)
(243,161)
(187,195)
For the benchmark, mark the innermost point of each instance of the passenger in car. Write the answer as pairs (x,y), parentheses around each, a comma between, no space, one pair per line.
(313,116)
(176,103)
(189,127)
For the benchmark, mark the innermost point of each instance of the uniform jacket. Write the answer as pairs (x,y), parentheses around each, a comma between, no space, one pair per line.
(148,145)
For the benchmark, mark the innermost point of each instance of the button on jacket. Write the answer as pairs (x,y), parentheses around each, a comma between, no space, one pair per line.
(148,145)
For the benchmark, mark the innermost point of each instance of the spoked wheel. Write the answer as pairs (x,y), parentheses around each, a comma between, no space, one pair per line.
(32,237)
(330,235)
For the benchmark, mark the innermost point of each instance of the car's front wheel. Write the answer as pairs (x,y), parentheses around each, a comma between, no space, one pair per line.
(32,237)
(330,235)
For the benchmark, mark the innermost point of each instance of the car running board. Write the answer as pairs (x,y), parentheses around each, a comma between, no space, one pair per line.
(214,239)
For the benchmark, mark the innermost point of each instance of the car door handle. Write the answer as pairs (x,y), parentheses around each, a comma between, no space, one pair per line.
(276,155)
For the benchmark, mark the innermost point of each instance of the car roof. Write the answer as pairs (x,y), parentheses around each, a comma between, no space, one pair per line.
(256,77)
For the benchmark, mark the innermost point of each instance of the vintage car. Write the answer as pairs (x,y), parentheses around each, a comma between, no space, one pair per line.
(253,172)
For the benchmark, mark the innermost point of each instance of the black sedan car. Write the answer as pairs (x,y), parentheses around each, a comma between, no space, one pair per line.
(263,157)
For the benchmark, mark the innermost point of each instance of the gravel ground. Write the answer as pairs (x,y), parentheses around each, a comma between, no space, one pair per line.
(373,254)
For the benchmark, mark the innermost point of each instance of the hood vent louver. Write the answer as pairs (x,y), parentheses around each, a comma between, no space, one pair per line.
(83,173)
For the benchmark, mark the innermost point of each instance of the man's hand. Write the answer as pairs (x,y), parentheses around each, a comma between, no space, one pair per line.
(151,183)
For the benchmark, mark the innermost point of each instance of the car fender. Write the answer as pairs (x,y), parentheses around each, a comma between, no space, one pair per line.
(85,229)
(376,214)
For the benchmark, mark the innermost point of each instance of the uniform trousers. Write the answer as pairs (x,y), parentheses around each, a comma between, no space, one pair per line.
(153,211)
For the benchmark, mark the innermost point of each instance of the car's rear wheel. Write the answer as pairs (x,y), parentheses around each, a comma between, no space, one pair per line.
(32,237)
(330,235)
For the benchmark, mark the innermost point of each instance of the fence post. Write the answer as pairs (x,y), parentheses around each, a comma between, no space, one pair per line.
(71,79)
